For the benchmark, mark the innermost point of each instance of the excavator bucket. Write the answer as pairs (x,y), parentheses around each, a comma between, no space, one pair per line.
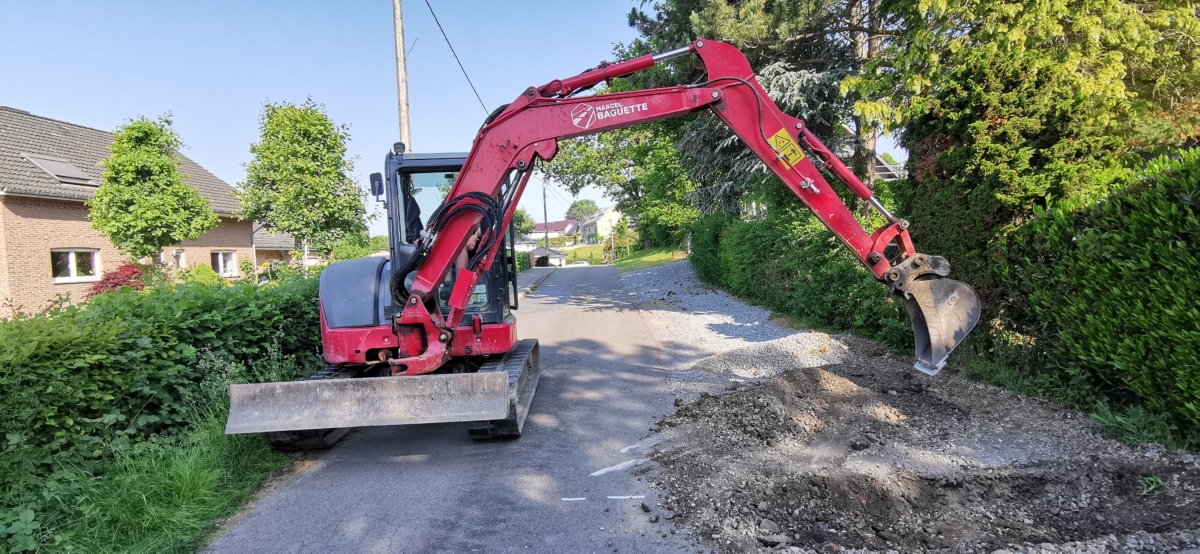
(943,311)
(370,401)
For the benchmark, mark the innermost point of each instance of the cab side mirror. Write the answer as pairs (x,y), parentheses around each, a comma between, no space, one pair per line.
(377,184)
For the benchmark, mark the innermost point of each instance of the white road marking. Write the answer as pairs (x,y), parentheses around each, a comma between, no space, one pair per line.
(626,497)
(620,466)
(573,499)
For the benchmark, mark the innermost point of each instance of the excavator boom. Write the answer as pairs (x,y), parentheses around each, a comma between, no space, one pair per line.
(421,336)
(942,310)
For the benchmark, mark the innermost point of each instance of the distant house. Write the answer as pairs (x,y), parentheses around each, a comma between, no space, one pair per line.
(279,248)
(564,228)
(557,259)
(599,225)
(271,247)
(887,171)
(48,168)
(525,243)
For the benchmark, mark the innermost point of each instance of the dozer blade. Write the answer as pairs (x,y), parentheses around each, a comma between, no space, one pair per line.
(943,311)
(323,404)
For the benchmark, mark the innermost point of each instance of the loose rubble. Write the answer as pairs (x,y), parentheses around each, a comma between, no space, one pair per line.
(832,444)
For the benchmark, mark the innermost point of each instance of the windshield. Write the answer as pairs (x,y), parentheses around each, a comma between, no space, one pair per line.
(429,189)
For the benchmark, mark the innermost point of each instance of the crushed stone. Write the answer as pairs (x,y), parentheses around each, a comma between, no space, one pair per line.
(807,442)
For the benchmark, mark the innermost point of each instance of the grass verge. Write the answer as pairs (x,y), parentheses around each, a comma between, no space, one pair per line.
(163,497)
(593,254)
(649,257)
(1132,424)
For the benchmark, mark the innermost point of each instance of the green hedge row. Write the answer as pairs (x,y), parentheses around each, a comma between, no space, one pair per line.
(791,264)
(82,382)
(1112,287)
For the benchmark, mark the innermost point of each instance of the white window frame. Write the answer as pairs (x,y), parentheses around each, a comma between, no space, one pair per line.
(177,262)
(73,278)
(226,270)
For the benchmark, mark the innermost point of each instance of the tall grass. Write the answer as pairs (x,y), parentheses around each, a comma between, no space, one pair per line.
(165,497)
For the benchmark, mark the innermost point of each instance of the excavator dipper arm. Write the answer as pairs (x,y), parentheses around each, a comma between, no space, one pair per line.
(489,187)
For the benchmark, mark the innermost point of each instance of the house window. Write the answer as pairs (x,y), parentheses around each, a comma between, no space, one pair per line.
(224,262)
(74,265)
(173,259)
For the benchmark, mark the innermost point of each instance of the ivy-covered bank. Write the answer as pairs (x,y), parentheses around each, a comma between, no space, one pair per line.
(112,411)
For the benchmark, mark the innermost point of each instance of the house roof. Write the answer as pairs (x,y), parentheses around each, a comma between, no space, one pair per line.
(542,251)
(22,134)
(596,216)
(264,240)
(565,226)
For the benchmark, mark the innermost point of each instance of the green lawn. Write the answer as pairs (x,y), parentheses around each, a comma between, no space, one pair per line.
(593,254)
(649,257)
(641,259)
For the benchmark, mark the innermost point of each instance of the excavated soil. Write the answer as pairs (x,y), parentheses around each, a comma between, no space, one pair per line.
(868,455)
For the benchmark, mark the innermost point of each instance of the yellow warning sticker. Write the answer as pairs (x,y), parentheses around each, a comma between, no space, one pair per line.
(789,152)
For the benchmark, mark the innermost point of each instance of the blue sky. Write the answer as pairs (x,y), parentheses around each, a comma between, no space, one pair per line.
(212,64)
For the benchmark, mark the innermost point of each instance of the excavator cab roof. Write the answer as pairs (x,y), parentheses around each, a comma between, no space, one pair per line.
(430,163)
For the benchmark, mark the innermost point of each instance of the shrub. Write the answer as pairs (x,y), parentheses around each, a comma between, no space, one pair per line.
(90,380)
(542,261)
(1110,287)
(1003,136)
(706,236)
(794,266)
(128,274)
(522,261)
(203,274)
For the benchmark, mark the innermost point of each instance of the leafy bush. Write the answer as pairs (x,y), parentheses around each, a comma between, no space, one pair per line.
(91,380)
(522,261)
(1110,287)
(128,274)
(204,275)
(794,266)
(706,237)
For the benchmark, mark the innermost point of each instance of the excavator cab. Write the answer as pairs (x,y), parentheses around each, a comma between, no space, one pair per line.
(490,383)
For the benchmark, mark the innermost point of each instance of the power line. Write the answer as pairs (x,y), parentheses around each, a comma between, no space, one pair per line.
(460,65)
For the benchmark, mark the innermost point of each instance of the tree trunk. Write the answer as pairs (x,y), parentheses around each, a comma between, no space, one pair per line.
(866,46)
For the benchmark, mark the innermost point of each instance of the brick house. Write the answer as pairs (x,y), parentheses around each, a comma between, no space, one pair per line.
(272,247)
(48,168)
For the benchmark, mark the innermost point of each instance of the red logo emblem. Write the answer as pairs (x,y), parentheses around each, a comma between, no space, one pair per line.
(583,116)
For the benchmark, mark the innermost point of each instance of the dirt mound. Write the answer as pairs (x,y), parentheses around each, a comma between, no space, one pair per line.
(868,454)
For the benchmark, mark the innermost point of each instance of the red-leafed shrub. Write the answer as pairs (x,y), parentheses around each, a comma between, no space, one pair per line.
(128,275)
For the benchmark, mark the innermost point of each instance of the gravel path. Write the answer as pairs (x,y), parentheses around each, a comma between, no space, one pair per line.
(696,324)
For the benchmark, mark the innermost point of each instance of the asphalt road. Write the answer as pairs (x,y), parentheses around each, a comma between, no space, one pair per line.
(429,488)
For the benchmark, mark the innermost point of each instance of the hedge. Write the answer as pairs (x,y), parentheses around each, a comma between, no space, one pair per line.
(83,382)
(1110,287)
(794,266)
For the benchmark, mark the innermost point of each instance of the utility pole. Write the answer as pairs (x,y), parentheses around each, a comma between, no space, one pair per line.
(546,217)
(401,77)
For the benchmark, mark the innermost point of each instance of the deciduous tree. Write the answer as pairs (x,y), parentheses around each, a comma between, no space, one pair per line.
(522,222)
(582,209)
(142,204)
(299,181)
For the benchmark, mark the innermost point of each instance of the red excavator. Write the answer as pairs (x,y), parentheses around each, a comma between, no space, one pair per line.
(427,334)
